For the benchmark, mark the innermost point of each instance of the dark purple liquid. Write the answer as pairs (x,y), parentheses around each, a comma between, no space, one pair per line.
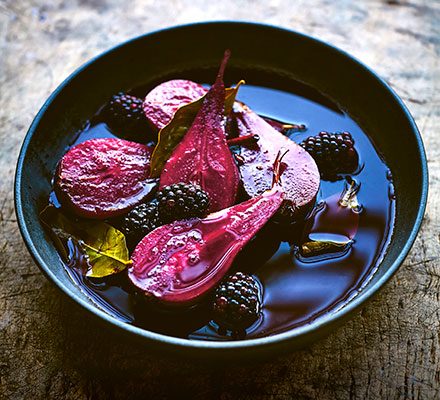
(295,290)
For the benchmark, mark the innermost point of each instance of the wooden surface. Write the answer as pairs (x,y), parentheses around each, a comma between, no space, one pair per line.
(49,348)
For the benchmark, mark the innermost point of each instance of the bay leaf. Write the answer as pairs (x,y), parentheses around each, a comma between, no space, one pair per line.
(319,247)
(104,246)
(171,134)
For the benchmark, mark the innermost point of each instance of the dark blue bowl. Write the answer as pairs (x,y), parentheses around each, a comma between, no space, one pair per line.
(264,50)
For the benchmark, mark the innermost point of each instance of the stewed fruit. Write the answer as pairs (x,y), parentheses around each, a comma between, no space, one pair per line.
(333,152)
(125,113)
(164,100)
(182,201)
(139,221)
(180,263)
(104,178)
(203,156)
(237,302)
(168,225)
(300,176)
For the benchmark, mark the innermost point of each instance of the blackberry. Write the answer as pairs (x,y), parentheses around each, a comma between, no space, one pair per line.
(125,112)
(181,201)
(139,221)
(237,302)
(333,152)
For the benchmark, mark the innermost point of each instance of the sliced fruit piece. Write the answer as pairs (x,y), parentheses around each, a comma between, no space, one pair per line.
(203,157)
(163,101)
(104,178)
(179,263)
(301,176)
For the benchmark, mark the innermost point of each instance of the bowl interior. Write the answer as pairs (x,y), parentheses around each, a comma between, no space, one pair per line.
(193,52)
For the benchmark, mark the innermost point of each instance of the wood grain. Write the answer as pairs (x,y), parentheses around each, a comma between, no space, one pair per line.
(49,348)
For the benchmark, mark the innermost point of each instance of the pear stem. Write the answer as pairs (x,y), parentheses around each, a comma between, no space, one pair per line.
(278,167)
(225,60)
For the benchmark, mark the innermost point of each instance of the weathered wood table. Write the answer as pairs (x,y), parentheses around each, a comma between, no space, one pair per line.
(50,348)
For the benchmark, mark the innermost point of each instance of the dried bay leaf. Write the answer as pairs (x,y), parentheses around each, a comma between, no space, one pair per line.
(320,247)
(103,245)
(334,226)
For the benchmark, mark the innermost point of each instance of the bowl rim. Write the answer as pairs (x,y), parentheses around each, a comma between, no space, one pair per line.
(277,338)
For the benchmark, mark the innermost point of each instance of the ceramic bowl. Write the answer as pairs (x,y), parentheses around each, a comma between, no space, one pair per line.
(262,51)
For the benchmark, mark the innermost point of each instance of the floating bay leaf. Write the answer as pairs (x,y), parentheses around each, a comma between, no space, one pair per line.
(171,134)
(316,248)
(104,246)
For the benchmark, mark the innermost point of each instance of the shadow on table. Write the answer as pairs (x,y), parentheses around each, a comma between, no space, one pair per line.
(108,363)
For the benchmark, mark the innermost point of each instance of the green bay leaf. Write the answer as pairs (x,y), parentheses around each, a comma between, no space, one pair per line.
(171,134)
